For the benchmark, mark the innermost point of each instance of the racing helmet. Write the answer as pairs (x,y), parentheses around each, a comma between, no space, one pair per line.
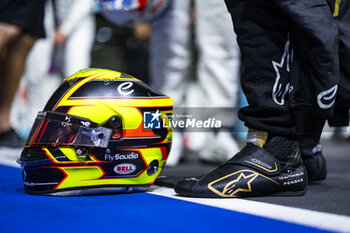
(132,12)
(101,131)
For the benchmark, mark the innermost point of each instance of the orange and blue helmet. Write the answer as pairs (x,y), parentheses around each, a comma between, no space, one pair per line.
(132,12)
(101,131)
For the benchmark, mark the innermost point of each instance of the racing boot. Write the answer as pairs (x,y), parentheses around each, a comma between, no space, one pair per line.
(309,128)
(314,162)
(262,167)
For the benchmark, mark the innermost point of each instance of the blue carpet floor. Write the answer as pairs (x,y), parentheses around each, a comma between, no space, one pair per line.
(138,212)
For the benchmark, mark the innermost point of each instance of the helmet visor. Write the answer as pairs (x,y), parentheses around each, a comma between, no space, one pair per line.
(58,129)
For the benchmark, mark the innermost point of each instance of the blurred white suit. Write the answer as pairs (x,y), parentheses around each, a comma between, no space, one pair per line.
(218,68)
(76,20)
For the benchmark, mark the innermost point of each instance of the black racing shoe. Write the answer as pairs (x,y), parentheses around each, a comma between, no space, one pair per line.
(275,169)
(11,139)
(315,163)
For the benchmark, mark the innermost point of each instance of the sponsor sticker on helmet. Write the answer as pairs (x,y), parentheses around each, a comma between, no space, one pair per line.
(125,88)
(119,156)
(124,168)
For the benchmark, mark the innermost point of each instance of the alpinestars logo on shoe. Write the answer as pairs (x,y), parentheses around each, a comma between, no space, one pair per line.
(235,183)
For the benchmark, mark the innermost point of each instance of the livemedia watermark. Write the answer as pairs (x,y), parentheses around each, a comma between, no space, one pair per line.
(191,119)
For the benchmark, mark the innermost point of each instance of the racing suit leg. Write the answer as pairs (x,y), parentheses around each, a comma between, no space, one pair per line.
(306,76)
(315,66)
(263,33)
(342,105)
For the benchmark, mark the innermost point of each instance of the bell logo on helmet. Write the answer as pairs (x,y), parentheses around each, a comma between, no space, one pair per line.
(151,120)
(124,88)
(124,168)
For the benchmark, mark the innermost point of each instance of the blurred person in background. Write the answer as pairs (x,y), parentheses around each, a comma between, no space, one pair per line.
(21,23)
(29,98)
(74,34)
(136,51)
(218,71)
(70,28)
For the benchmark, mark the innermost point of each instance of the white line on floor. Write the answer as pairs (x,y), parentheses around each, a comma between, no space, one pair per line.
(320,220)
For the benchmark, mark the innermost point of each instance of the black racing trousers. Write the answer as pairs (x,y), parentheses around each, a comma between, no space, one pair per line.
(342,104)
(291,68)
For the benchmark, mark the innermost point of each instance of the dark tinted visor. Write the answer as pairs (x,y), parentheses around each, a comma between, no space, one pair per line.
(59,129)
